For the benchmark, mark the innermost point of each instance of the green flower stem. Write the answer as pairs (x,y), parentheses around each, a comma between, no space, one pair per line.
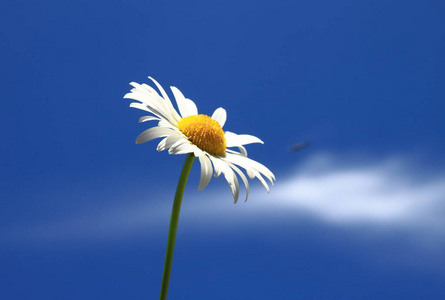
(174,225)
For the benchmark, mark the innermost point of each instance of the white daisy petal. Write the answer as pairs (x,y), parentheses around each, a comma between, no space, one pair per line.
(254,173)
(165,123)
(153,99)
(153,133)
(220,116)
(232,179)
(256,165)
(181,147)
(147,108)
(198,152)
(191,107)
(148,118)
(169,141)
(243,178)
(233,182)
(141,107)
(180,99)
(216,167)
(179,141)
(165,96)
(261,179)
(234,140)
(134,84)
(242,150)
(249,164)
(186,106)
(215,158)
(229,175)
(150,97)
(161,145)
(206,171)
(146,99)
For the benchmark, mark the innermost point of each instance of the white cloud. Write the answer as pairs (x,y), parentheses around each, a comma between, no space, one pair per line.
(385,195)
(388,195)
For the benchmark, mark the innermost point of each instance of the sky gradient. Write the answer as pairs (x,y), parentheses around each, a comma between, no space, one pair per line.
(359,214)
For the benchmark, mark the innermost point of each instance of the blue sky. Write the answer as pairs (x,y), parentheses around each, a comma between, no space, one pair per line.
(359,214)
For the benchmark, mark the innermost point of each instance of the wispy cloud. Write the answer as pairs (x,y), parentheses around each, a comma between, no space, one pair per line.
(383,196)
(386,195)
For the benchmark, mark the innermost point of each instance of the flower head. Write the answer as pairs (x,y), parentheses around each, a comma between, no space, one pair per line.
(187,131)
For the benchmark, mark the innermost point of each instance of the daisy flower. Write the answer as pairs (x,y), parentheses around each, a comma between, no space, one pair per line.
(185,131)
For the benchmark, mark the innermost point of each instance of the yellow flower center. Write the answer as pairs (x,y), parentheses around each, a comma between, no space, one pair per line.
(205,133)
